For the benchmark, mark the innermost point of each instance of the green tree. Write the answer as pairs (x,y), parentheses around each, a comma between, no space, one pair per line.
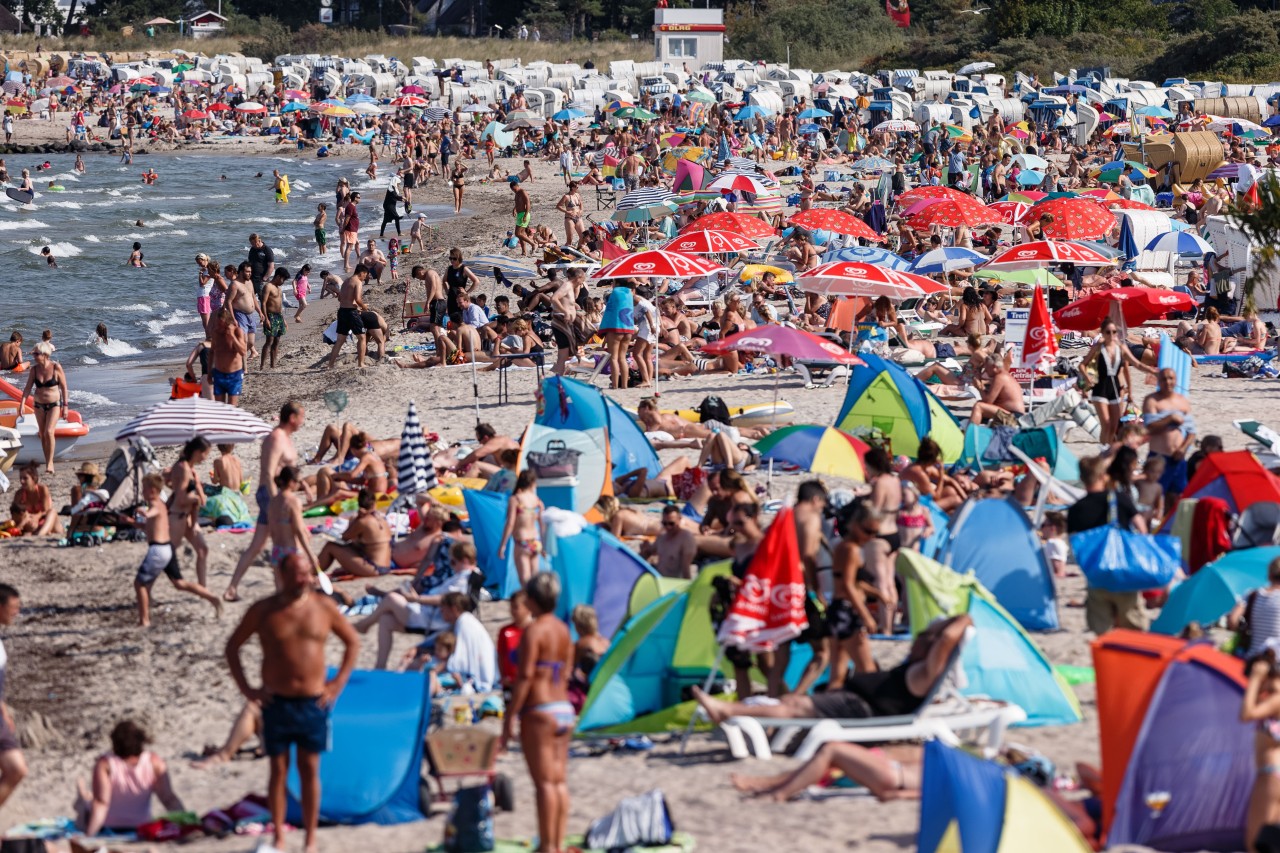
(1261,222)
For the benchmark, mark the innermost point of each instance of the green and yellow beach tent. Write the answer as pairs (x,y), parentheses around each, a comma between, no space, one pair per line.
(970,805)
(1001,662)
(885,397)
(667,646)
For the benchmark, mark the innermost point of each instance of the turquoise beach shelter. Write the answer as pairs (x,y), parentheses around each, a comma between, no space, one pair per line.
(596,568)
(487,513)
(565,403)
(885,397)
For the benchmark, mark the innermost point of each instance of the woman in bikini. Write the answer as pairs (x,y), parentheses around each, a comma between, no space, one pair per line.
(524,525)
(458,180)
(35,503)
(1261,705)
(47,388)
(1111,359)
(186,496)
(540,700)
(570,205)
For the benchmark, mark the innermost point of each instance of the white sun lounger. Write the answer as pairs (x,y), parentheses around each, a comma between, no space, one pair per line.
(941,716)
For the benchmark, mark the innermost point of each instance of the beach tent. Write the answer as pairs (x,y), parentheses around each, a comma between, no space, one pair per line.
(994,539)
(883,396)
(1002,662)
(596,568)
(566,403)
(487,514)
(1037,443)
(976,806)
(1236,477)
(941,528)
(666,647)
(1137,229)
(1170,734)
(372,772)
(1214,590)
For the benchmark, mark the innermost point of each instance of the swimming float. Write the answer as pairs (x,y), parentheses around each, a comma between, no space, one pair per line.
(753,414)
(449,492)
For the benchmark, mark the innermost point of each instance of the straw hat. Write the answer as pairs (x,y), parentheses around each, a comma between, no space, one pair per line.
(90,470)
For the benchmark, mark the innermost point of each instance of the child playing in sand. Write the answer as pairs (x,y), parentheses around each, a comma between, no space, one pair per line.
(273,316)
(1053,530)
(393,256)
(417,233)
(915,524)
(322,240)
(329,284)
(301,289)
(160,554)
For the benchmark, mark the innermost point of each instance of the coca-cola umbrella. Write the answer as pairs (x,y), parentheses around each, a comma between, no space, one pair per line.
(951,213)
(783,340)
(658,263)
(855,278)
(1073,218)
(739,223)
(1138,305)
(1044,253)
(836,221)
(710,242)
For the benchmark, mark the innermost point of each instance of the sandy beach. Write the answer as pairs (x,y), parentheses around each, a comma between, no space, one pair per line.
(78,663)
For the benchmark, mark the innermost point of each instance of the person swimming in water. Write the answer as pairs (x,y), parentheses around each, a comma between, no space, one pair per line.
(135,257)
(101,332)
(48,257)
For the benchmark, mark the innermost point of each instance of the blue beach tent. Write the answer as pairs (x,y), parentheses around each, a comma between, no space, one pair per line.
(487,513)
(994,539)
(565,403)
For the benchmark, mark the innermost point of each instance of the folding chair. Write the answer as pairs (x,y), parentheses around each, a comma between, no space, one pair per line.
(606,197)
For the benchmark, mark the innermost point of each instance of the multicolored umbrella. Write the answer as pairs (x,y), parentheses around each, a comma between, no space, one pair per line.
(658,263)
(867,255)
(740,182)
(1073,218)
(1026,196)
(853,278)
(1137,304)
(739,223)
(636,113)
(1043,253)
(947,259)
(1180,243)
(338,112)
(816,449)
(836,221)
(1110,173)
(710,242)
(767,202)
(645,203)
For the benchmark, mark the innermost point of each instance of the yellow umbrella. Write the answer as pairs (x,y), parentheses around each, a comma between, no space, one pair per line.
(752,272)
(336,111)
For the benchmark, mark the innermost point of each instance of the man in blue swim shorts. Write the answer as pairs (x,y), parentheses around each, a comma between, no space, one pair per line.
(292,627)
(227,348)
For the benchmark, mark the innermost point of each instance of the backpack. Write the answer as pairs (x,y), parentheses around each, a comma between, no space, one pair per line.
(469,827)
(712,408)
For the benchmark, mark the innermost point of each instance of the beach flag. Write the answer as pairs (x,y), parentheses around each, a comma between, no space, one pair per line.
(611,251)
(609,168)
(414,471)
(899,11)
(1039,346)
(769,607)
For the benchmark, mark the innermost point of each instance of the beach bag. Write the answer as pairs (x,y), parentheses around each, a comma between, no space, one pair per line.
(469,827)
(713,408)
(1118,560)
(556,461)
(642,821)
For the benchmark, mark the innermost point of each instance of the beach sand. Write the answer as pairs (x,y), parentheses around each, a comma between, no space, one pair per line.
(78,663)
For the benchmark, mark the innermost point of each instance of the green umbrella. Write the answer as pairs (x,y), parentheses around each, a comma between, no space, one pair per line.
(636,113)
(702,97)
(1041,277)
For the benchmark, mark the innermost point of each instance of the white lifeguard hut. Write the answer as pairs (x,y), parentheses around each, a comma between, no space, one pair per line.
(692,37)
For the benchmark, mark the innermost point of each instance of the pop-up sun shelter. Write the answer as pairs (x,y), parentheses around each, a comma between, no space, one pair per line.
(1236,477)
(1001,662)
(372,772)
(993,538)
(976,806)
(667,646)
(1177,763)
(883,396)
(566,403)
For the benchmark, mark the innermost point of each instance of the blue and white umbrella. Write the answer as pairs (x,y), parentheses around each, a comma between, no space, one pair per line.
(946,260)
(814,112)
(868,255)
(415,472)
(568,114)
(1180,243)
(1031,161)
(360,98)
(435,113)
(873,164)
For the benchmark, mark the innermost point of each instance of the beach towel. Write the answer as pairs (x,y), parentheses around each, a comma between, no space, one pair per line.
(619,311)
(643,819)
(1179,360)
(1210,533)
(474,656)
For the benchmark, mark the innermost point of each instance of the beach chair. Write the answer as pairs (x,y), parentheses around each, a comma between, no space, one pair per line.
(1267,441)
(942,714)
(911,319)
(606,196)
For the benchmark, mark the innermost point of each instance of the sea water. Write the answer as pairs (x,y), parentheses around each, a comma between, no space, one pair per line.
(201,203)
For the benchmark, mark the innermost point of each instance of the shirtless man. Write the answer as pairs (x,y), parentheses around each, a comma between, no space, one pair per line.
(278,452)
(419,545)
(1170,432)
(160,557)
(288,531)
(653,420)
(292,626)
(374,260)
(337,437)
(11,352)
(1002,402)
(811,502)
(227,349)
(483,461)
(365,550)
(350,304)
(435,300)
(848,618)
(564,316)
(675,547)
(273,324)
(244,303)
(521,210)
(632,168)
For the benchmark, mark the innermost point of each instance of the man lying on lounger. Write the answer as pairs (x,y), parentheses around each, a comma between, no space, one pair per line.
(900,690)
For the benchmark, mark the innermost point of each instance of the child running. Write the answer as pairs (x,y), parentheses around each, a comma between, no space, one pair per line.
(160,554)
